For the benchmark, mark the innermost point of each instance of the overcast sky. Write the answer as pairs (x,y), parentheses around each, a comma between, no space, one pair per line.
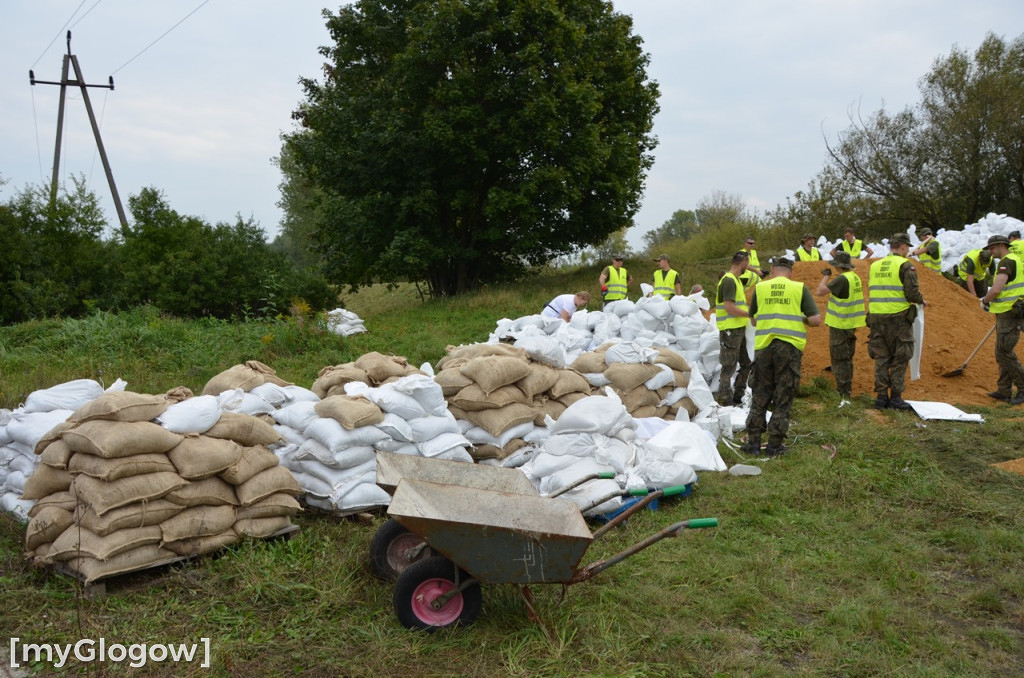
(748,89)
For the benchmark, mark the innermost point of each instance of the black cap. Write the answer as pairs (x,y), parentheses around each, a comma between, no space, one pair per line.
(784,262)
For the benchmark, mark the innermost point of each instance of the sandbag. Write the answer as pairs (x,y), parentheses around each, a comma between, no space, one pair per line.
(332,378)
(57,454)
(120,467)
(67,396)
(451,381)
(135,559)
(64,500)
(46,525)
(104,496)
(141,514)
(540,379)
(198,457)
(236,376)
(112,439)
(627,376)
(194,415)
(77,541)
(569,381)
(260,528)
(379,367)
(350,411)
(200,546)
(44,481)
(266,483)
(210,491)
(244,429)
(499,420)
(121,406)
(493,372)
(278,504)
(197,521)
(252,461)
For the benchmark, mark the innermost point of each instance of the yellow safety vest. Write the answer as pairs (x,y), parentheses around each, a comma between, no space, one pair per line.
(885,287)
(804,255)
(934,263)
(753,258)
(1017,247)
(854,249)
(981,272)
(1012,290)
(722,317)
(616,284)
(847,314)
(778,313)
(748,279)
(666,287)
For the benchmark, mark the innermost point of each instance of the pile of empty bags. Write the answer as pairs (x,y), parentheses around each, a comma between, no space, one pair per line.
(132,480)
(375,403)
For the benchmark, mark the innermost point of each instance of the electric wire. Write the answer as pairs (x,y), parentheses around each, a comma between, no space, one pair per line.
(160,38)
(58,34)
(35,123)
(79,19)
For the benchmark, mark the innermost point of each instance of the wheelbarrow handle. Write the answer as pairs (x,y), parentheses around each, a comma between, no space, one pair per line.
(670,491)
(604,475)
(697,523)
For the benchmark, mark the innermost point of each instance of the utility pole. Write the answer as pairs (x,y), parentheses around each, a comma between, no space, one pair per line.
(72,61)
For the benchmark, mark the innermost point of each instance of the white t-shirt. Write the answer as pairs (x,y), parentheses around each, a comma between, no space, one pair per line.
(563,302)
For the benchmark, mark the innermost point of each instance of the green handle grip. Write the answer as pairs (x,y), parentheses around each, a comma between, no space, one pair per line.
(674,490)
(697,523)
(606,475)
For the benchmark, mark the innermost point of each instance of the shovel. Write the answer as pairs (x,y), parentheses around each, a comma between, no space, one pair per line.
(960,370)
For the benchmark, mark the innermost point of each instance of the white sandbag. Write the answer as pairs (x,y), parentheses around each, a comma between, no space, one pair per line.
(673,397)
(388,399)
(396,427)
(289,434)
(664,378)
(587,493)
(246,402)
(544,464)
(296,394)
(67,396)
(311,485)
(658,474)
(543,349)
(456,454)
(918,332)
(193,415)
(435,446)
(272,393)
(425,391)
(336,437)
(629,352)
(298,415)
(600,414)
(597,379)
(571,474)
(699,392)
(429,427)
(341,480)
(621,307)
(28,427)
(354,456)
(363,496)
(12,503)
(688,443)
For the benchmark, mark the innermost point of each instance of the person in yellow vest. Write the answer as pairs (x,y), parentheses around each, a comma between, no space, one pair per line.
(666,279)
(1016,244)
(851,246)
(807,251)
(780,309)
(929,252)
(892,290)
(754,264)
(1006,300)
(614,280)
(975,271)
(845,313)
(731,317)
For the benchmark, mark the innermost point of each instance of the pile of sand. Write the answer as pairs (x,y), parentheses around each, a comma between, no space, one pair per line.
(954,325)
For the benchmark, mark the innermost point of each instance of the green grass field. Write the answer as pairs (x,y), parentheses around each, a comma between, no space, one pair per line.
(879,546)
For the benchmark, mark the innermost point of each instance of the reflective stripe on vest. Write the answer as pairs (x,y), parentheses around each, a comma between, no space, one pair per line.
(804,255)
(616,284)
(981,272)
(1012,290)
(778,313)
(722,317)
(753,258)
(667,286)
(854,249)
(847,314)
(885,287)
(934,263)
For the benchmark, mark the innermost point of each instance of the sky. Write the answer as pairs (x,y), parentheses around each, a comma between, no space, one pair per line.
(750,91)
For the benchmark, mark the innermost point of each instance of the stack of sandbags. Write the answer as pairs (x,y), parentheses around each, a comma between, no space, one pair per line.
(344,322)
(132,480)
(373,369)
(502,395)
(22,429)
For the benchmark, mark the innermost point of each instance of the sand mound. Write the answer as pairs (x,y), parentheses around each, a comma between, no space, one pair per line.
(954,324)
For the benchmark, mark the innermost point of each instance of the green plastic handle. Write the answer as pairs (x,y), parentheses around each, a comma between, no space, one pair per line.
(697,523)
(607,475)
(641,492)
(674,490)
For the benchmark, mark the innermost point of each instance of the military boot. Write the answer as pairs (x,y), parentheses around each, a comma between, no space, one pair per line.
(753,446)
(896,402)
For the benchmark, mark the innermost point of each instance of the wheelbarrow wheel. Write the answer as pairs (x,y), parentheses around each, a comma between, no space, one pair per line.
(425,581)
(393,548)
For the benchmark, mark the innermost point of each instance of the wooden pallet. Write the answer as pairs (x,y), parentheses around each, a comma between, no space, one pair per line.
(362,515)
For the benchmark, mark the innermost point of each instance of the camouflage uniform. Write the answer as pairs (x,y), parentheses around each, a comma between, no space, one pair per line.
(841,346)
(891,339)
(776,380)
(732,352)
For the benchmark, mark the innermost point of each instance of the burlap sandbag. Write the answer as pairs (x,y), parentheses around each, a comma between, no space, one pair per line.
(494,452)
(547,408)
(142,514)
(379,367)
(570,398)
(456,356)
(682,379)
(236,376)
(111,439)
(452,380)
(649,411)
(269,373)
(640,396)
(540,380)
(676,361)
(63,500)
(44,481)
(52,436)
(499,420)
(350,411)
(197,521)
(253,460)
(334,377)
(244,429)
(200,546)
(627,376)
(46,525)
(690,407)
(56,454)
(121,406)
(210,491)
(492,372)
(179,394)
(589,363)
(198,457)
(130,561)
(266,483)
(277,504)
(260,528)
(104,496)
(569,381)
(472,398)
(121,467)
(79,542)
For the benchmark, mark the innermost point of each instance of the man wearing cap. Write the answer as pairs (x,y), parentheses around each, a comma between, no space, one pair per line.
(666,279)
(807,251)
(893,291)
(1006,300)
(929,252)
(732,318)
(975,271)
(851,246)
(780,309)
(614,280)
(1016,244)
(753,264)
(845,313)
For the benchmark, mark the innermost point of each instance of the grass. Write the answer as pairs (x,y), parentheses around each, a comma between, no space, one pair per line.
(880,545)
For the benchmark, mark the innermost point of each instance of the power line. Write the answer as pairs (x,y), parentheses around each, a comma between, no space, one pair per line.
(161,37)
(58,34)
(79,20)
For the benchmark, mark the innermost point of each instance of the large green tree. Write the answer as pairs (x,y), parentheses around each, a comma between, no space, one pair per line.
(457,141)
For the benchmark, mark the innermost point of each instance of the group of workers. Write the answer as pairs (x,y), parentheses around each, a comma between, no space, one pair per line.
(780,309)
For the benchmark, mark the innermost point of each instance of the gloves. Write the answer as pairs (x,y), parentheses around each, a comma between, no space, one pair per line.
(826,271)
(984,305)
(604,289)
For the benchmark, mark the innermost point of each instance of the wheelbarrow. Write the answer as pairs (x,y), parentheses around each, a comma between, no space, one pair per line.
(491,537)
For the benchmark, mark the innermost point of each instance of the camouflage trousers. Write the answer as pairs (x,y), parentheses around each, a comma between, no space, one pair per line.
(732,351)
(776,380)
(891,346)
(841,345)
(1011,371)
